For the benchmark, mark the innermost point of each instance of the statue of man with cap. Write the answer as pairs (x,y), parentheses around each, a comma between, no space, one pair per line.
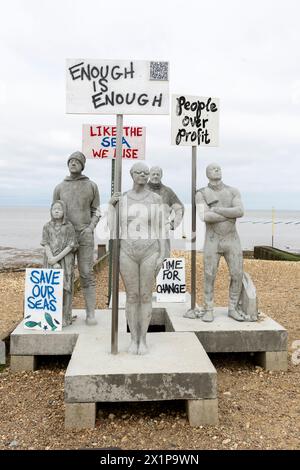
(82,200)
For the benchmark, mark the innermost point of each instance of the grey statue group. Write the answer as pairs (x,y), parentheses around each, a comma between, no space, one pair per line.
(145,240)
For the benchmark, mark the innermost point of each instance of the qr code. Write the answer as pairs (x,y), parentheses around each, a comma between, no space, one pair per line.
(159,70)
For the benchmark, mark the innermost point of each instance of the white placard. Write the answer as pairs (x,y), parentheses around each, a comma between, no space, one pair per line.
(170,282)
(99,142)
(117,86)
(43,299)
(195,121)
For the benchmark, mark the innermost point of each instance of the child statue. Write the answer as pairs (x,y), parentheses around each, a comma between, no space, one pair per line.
(60,245)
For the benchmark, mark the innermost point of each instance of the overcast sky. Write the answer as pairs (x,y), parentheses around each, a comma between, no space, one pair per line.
(246,53)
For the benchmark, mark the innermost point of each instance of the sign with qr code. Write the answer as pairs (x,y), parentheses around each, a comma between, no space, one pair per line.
(117,87)
(195,121)
(100,142)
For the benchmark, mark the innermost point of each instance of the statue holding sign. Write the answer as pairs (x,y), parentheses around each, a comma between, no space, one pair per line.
(172,204)
(60,244)
(82,200)
(219,206)
(141,253)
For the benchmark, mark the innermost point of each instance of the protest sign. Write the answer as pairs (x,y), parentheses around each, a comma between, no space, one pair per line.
(117,86)
(170,282)
(43,299)
(99,142)
(195,121)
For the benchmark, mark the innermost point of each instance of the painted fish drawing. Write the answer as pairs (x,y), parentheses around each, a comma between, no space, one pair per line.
(50,321)
(32,324)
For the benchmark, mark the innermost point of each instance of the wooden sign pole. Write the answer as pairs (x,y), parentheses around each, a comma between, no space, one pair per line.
(116,241)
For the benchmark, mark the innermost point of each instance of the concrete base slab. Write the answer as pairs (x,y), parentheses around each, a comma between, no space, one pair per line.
(2,352)
(158,308)
(19,363)
(176,367)
(225,334)
(202,412)
(25,342)
(80,415)
(272,360)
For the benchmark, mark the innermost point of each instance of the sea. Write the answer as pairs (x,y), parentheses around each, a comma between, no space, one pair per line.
(21,231)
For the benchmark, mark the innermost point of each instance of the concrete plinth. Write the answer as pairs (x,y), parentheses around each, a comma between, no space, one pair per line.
(2,352)
(80,415)
(19,363)
(272,360)
(25,342)
(168,372)
(202,412)
(225,334)
(158,308)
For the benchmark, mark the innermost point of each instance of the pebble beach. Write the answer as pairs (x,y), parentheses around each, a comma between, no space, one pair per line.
(257,409)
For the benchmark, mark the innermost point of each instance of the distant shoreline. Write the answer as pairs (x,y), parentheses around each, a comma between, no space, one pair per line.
(14,259)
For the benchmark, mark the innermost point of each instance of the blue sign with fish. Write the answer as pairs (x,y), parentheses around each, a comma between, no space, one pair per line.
(43,299)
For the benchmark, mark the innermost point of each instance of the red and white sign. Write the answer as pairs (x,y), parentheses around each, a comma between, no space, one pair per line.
(100,142)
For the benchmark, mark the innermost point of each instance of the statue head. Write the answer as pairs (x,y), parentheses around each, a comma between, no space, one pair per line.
(76,162)
(139,173)
(214,172)
(58,211)
(155,174)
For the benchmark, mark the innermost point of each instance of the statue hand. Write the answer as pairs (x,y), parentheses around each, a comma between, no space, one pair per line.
(51,260)
(57,266)
(87,230)
(115,198)
(159,262)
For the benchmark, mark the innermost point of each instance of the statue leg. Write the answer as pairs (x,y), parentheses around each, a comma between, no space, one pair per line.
(147,278)
(234,259)
(211,259)
(129,270)
(85,256)
(67,308)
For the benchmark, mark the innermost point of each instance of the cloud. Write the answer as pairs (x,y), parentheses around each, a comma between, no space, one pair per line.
(242,52)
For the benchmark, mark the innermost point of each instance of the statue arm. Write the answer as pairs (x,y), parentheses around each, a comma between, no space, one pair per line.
(56,194)
(205,213)
(95,209)
(162,231)
(111,219)
(70,242)
(233,212)
(62,254)
(179,211)
(48,252)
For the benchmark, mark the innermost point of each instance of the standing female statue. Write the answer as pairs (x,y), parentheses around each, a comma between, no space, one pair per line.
(142,251)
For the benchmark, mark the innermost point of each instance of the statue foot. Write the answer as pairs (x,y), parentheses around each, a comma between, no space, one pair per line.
(90,319)
(193,313)
(143,349)
(236,315)
(133,347)
(208,316)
